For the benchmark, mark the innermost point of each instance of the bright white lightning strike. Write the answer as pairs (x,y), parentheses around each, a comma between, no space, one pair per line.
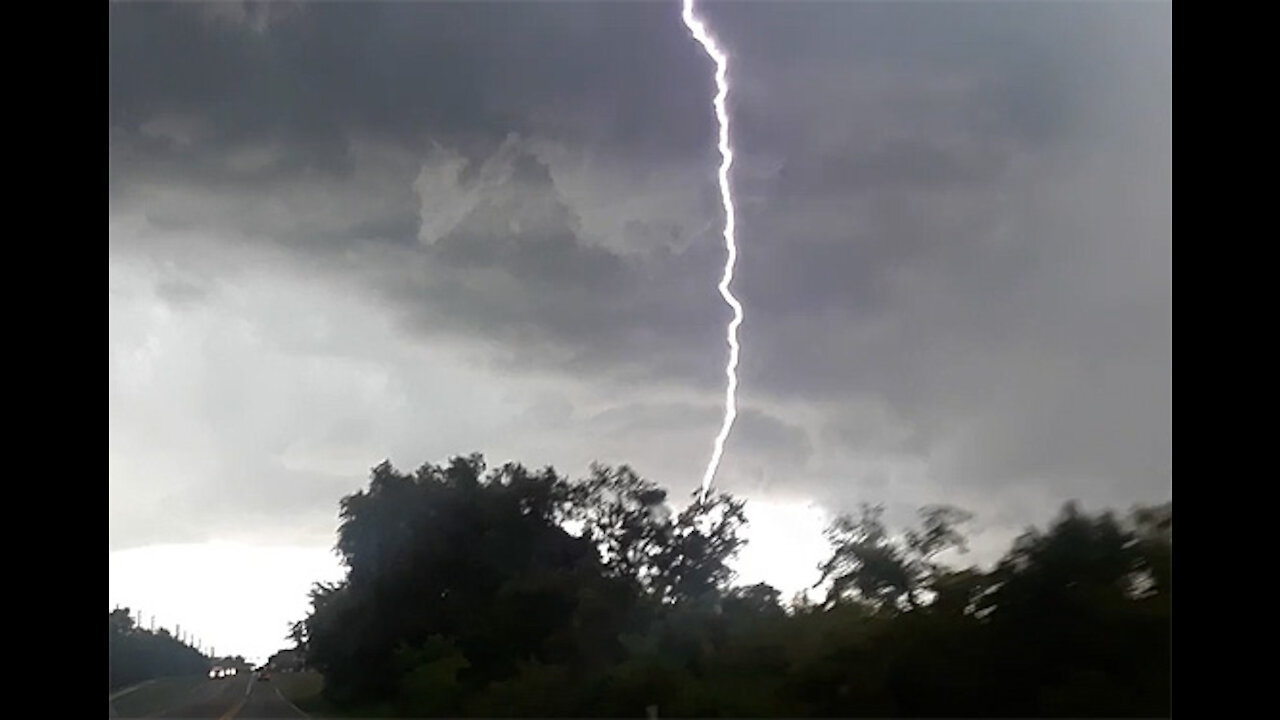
(698,29)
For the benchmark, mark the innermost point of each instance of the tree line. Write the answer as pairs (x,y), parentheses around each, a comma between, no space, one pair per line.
(518,592)
(137,654)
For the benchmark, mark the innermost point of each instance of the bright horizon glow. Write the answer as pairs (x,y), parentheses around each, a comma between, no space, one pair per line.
(237,599)
(697,27)
(240,599)
(785,544)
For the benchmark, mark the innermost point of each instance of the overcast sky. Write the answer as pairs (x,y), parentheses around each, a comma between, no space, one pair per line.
(340,233)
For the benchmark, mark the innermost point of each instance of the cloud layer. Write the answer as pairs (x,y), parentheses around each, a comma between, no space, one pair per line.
(339,233)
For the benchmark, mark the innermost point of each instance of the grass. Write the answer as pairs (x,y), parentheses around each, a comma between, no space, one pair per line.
(303,689)
(156,697)
(298,687)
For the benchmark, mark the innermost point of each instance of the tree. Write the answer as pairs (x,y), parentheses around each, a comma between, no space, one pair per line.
(1071,624)
(761,599)
(694,565)
(626,517)
(670,557)
(135,654)
(477,559)
(868,565)
(514,592)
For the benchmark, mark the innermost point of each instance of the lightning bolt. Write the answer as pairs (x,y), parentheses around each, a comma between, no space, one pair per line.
(698,28)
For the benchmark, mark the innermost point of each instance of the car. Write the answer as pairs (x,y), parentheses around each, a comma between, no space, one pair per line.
(264,676)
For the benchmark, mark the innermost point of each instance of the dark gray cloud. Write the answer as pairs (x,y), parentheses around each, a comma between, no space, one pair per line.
(411,72)
(956,224)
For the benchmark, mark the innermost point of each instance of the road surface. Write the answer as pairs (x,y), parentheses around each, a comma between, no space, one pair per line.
(239,698)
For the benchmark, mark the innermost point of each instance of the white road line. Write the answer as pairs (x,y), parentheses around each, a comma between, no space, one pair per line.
(235,709)
(130,689)
(178,703)
(290,704)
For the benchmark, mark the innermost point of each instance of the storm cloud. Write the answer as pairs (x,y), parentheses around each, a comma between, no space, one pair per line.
(344,232)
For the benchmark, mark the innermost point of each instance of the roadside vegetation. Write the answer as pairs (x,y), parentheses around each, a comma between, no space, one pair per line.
(517,592)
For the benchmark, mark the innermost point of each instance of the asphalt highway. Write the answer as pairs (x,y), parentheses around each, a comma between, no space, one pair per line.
(243,697)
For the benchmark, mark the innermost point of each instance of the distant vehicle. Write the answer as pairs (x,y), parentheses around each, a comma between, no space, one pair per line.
(264,676)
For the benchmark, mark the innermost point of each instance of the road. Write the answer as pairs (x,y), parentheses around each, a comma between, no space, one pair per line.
(241,698)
